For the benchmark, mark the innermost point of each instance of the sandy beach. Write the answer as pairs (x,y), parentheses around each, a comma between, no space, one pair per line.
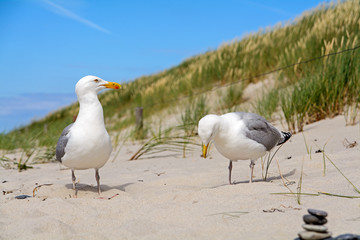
(166,196)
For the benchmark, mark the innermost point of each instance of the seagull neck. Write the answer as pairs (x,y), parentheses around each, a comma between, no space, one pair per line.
(216,128)
(90,110)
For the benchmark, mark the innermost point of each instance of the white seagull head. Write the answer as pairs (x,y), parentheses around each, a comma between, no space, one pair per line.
(207,129)
(93,84)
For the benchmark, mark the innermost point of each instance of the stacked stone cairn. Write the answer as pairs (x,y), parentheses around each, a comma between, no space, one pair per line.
(314,225)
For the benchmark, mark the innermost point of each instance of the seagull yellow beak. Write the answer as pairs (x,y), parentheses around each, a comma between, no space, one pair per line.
(113,85)
(204,150)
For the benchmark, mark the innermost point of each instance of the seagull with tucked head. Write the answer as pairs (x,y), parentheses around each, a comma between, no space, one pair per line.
(85,143)
(240,136)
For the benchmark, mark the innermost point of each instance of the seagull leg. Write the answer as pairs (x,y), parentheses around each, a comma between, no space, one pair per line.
(97,176)
(252,164)
(73,181)
(230,168)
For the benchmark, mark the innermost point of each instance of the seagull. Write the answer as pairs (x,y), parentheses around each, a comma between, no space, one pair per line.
(240,136)
(85,143)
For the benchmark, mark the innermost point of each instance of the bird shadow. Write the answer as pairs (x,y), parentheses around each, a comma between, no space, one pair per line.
(104,188)
(175,155)
(269,179)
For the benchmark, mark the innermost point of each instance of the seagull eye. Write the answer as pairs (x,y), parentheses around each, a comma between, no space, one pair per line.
(96,80)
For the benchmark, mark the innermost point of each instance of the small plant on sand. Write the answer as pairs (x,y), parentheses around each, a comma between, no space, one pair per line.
(287,108)
(299,192)
(118,143)
(5,162)
(308,149)
(190,118)
(236,214)
(164,141)
(324,162)
(269,158)
(23,162)
(355,188)
(46,155)
(298,189)
(179,138)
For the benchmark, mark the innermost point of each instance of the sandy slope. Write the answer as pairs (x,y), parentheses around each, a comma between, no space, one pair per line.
(170,197)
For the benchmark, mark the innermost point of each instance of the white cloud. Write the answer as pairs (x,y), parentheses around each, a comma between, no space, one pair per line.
(34,102)
(67,13)
(20,110)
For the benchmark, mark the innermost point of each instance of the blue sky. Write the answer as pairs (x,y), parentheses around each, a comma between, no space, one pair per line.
(46,46)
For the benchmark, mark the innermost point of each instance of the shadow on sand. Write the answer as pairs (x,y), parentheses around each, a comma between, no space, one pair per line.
(104,188)
(269,179)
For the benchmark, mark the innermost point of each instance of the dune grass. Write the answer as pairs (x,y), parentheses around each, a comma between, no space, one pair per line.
(268,104)
(306,93)
(235,214)
(324,93)
(164,141)
(355,188)
(178,139)
(299,192)
(27,158)
(269,158)
(298,189)
(232,97)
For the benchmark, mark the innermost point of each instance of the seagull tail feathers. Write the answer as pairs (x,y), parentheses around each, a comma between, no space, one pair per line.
(285,136)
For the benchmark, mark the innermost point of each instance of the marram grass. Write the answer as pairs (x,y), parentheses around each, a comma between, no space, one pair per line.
(307,92)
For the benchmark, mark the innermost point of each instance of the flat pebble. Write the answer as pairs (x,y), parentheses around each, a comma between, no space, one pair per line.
(311,219)
(317,212)
(348,236)
(315,228)
(22,196)
(306,235)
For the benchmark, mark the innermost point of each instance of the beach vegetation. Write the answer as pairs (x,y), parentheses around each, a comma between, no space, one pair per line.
(306,91)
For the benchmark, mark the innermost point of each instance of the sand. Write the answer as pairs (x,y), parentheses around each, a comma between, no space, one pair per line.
(166,196)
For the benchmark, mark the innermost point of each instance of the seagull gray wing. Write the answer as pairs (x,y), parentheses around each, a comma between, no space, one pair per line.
(260,130)
(61,144)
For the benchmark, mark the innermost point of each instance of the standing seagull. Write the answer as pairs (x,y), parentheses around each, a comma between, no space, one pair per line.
(85,143)
(240,136)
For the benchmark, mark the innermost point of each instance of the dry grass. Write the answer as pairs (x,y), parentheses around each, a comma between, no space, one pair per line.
(327,29)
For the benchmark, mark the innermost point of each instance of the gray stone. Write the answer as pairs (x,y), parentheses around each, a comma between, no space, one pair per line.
(312,219)
(307,235)
(348,236)
(315,228)
(318,213)
(22,196)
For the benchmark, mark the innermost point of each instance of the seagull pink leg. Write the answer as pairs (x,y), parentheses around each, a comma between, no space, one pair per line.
(252,164)
(230,168)
(97,176)
(74,181)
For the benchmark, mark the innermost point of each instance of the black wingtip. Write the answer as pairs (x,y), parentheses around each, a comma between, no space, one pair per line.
(286,136)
